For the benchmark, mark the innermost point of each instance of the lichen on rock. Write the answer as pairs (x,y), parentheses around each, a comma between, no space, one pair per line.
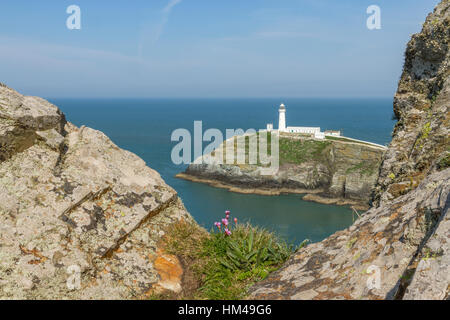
(72,201)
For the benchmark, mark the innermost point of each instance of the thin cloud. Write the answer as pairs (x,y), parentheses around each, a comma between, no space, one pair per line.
(170,5)
(154,34)
(165,18)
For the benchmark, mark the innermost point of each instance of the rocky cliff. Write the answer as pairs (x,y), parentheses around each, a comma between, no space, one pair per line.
(80,218)
(335,170)
(400,248)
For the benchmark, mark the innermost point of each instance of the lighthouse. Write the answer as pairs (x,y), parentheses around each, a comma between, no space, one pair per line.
(313,132)
(282,118)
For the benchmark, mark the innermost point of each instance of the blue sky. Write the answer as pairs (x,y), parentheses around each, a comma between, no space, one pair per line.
(206,48)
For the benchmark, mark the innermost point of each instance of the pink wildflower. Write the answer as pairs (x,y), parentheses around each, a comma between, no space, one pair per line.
(227,232)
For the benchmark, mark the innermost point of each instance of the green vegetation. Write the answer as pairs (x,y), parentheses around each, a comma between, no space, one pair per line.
(225,265)
(247,148)
(295,151)
(444,163)
(237,261)
(299,151)
(426,130)
(430,254)
(406,277)
(351,242)
(434,97)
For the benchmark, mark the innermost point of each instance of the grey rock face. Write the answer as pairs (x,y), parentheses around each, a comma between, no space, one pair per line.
(385,240)
(421,135)
(432,276)
(73,204)
(399,249)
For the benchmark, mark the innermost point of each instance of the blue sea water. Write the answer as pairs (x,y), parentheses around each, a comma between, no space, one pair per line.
(144,126)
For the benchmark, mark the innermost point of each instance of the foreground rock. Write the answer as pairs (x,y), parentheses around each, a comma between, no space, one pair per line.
(72,202)
(329,171)
(400,248)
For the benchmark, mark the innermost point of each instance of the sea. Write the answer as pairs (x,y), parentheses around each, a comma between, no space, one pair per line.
(145,126)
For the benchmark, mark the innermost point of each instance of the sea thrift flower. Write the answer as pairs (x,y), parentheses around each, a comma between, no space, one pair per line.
(226,224)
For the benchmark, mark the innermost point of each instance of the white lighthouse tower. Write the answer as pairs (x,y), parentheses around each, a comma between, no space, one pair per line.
(282,118)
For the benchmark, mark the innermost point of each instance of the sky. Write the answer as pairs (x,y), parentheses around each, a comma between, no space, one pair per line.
(206,48)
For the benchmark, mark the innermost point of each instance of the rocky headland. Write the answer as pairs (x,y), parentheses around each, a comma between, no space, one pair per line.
(400,248)
(332,171)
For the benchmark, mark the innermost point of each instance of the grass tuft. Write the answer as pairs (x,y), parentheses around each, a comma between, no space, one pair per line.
(226,266)
(300,151)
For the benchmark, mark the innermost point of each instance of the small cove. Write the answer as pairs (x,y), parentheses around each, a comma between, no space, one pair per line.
(144,126)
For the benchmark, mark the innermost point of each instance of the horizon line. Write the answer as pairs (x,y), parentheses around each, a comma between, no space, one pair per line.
(230,98)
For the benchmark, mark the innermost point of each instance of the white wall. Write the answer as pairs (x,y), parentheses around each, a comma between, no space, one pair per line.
(333,134)
(309,130)
(319,135)
(282,121)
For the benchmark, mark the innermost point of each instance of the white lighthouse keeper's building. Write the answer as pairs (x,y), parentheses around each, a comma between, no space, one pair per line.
(314,131)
